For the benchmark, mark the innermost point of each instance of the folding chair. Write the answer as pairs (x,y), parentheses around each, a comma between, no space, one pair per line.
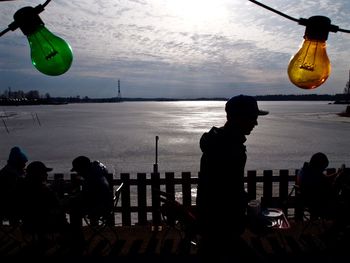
(179,218)
(10,229)
(105,222)
(11,233)
(304,211)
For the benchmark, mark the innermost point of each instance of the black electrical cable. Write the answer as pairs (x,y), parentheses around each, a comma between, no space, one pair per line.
(13,25)
(301,21)
(4,31)
(275,11)
(46,3)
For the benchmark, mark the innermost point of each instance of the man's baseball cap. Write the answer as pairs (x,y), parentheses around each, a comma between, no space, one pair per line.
(37,167)
(243,105)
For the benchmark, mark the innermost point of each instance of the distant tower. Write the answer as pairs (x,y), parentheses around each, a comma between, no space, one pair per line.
(119,97)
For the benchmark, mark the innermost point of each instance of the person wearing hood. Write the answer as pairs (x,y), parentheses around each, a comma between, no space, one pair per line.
(221,199)
(11,178)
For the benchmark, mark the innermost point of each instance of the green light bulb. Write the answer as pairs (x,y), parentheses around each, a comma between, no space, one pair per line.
(50,54)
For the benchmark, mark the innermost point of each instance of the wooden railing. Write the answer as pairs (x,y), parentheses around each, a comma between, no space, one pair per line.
(139,204)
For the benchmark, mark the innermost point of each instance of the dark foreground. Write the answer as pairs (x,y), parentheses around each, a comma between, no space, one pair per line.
(140,244)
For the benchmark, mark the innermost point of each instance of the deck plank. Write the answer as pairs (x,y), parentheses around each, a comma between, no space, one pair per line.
(140,242)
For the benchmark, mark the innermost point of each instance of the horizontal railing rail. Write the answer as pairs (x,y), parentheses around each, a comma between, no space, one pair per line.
(140,204)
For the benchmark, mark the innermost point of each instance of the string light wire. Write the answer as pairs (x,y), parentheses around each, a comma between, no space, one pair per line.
(301,21)
(13,26)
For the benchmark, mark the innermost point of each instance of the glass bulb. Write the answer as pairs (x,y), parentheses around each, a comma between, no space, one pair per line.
(310,66)
(50,54)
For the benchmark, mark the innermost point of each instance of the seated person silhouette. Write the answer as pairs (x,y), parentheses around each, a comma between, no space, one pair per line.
(319,190)
(96,197)
(42,212)
(11,180)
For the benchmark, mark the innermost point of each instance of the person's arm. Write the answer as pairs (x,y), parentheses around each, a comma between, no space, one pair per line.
(338,176)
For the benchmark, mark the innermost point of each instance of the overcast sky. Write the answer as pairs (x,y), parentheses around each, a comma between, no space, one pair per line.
(174,48)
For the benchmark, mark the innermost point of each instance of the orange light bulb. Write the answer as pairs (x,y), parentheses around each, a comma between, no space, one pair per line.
(310,66)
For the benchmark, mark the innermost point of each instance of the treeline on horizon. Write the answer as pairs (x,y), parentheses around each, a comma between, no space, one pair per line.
(47,99)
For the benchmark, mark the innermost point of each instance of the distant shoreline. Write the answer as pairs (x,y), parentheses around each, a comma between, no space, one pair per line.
(338,99)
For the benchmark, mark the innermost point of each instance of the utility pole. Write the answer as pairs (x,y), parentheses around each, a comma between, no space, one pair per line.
(155,165)
(119,94)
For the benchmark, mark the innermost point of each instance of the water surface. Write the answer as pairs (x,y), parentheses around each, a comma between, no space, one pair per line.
(122,135)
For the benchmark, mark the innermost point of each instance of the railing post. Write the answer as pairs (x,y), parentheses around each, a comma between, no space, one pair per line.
(109,177)
(251,185)
(283,189)
(186,189)
(267,187)
(170,183)
(125,198)
(141,198)
(155,186)
(298,209)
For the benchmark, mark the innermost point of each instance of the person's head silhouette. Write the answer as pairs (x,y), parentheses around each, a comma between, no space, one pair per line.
(319,161)
(37,172)
(17,158)
(242,111)
(81,164)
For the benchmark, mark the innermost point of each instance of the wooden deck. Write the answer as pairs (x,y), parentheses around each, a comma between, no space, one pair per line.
(136,243)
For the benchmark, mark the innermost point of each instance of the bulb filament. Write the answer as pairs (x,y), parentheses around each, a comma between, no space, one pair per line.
(309,66)
(51,52)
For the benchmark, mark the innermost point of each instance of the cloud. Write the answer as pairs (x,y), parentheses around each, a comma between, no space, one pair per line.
(165,48)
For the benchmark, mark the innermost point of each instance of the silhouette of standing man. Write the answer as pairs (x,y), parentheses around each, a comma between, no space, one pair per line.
(221,198)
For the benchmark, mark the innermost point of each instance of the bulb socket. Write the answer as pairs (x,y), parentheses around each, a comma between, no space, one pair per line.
(28,20)
(317,28)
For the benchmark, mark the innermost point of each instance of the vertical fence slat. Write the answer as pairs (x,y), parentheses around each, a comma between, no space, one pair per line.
(125,198)
(267,186)
(251,185)
(170,189)
(283,189)
(298,210)
(141,198)
(109,177)
(267,183)
(155,186)
(283,186)
(170,183)
(186,189)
